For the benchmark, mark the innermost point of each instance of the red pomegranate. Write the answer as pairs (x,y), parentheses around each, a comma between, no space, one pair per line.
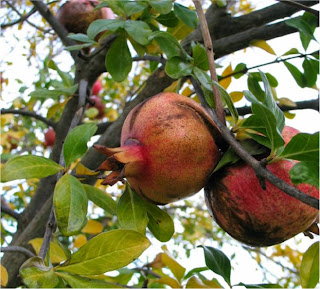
(167,151)
(76,15)
(255,216)
(49,137)
(96,88)
(97,103)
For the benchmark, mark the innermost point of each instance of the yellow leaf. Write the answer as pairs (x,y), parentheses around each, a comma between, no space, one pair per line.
(54,109)
(187,91)
(82,170)
(172,87)
(195,282)
(289,115)
(6,118)
(80,241)
(226,81)
(157,262)
(92,227)
(57,254)
(287,102)
(173,283)
(236,95)
(180,31)
(263,45)
(112,114)
(177,270)
(4,276)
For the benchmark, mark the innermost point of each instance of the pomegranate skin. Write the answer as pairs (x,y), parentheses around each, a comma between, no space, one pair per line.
(255,216)
(169,141)
(76,15)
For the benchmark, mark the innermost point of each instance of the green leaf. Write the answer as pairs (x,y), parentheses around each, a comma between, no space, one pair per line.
(77,47)
(189,17)
(270,123)
(106,252)
(169,44)
(28,167)
(66,77)
(310,20)
(131,211)
(226,98)
(101,199)
(302,147)
(133,7)
(76,281)
(195,271)
(53,93)
(305,173)
(70,204)
(296,73)
(254,87)
(138,30)
(81,38)
(300,24)
(160,223)
(115,5)
(101,25)
(75,144)
(161,6)
(118,59)
(35,274)
(240,67)
(177,67)
(203,78)
(168,20)
(229,157)
(199,55)
(217,262)
(311,71)
(259,285)
(309,271)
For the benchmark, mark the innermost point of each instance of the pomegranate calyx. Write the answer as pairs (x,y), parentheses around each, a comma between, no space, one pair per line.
(122,161)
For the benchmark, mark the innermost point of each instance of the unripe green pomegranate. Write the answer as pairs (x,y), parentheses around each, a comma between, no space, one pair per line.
(255,216)
(167,151)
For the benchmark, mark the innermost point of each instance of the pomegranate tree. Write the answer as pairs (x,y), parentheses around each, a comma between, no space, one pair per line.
(167,151)
(255,216)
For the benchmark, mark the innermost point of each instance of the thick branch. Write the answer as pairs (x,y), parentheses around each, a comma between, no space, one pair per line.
(300,6)
(29,113)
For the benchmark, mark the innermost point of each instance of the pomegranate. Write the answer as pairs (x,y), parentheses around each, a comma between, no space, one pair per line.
(76,15)
(96,88)
(98,105)
(167,151)
(255,216)
(49,137)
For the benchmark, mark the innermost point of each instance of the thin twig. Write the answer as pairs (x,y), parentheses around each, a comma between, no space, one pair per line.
(29,113)
(7,210)
(277,60)
(300,6)
(21,19)
(50,229)
(18,249)
(209,48)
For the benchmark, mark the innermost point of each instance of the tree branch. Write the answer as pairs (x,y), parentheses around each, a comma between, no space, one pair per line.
(21,19)
(7,210)
(29,113)
(19,249)
(300,6)
(212,67)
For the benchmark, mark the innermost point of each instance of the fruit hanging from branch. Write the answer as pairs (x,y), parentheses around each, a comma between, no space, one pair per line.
(49,137)
(97,103)
(76,15)
(255,216)
(168,149)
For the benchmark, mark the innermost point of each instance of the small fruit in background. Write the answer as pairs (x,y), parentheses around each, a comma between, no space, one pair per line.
(49,137)
(96,102)
(13,141)
(168,149)
(96,88)
(255,216)
(76,15)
